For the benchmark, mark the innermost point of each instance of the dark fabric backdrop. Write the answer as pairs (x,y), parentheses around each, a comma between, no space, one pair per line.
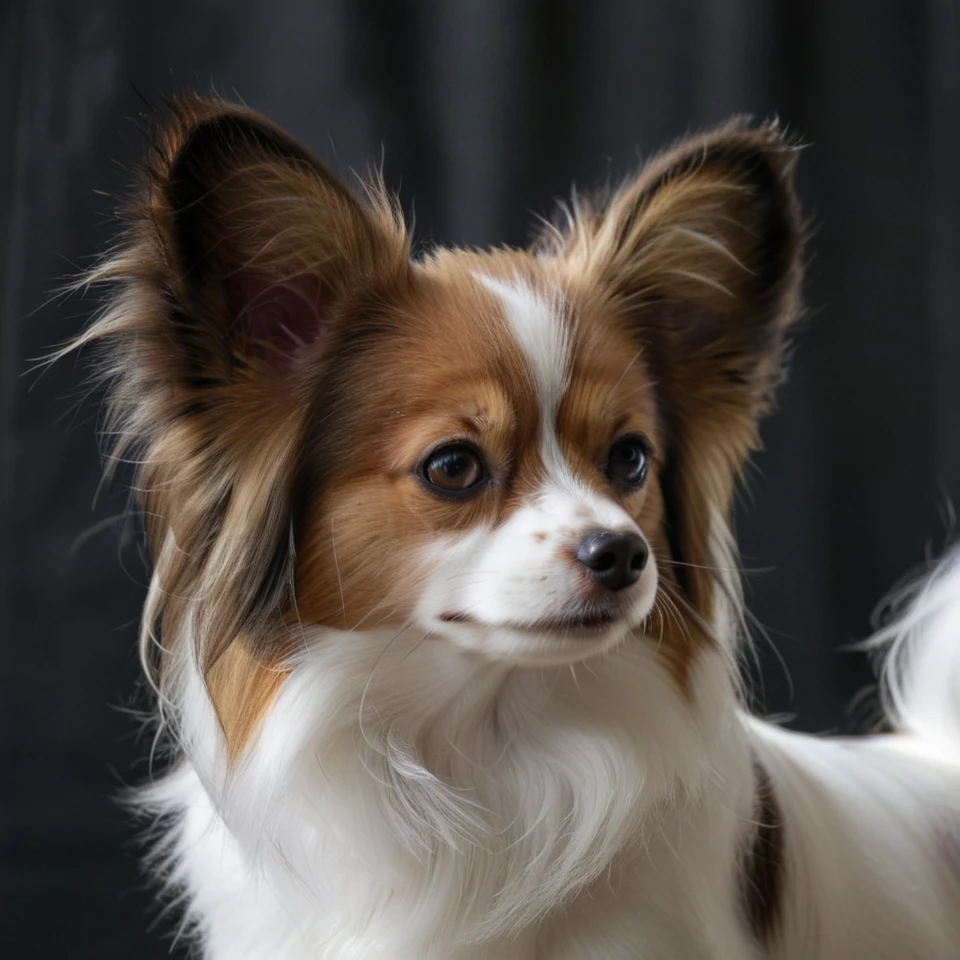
(483,112)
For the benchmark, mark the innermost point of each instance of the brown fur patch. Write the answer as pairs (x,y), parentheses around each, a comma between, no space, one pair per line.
(242,686)
(763,875)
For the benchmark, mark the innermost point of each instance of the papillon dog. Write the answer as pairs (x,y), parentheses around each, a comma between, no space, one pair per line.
(444,623)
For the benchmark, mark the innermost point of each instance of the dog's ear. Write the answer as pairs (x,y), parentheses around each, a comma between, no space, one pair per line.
(244,258)
(260,242)
(701,253)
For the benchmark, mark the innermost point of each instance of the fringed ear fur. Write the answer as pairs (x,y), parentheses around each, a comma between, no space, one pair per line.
(701,252)
(240,250)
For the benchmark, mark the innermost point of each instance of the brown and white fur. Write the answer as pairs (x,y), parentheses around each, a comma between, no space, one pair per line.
(412,721)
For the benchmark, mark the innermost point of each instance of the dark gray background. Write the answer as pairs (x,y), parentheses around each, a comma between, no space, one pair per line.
(483,111)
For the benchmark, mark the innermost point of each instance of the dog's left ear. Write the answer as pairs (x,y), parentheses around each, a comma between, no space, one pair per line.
(700,255)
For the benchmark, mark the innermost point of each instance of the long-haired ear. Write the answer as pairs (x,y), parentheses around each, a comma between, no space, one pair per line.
(260,240)
(242,254)
(701,254)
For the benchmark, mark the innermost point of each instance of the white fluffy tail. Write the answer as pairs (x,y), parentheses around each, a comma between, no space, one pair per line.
(921,673)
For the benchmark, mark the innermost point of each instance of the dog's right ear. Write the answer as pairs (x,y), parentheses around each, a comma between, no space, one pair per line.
(260,242)
(244,259)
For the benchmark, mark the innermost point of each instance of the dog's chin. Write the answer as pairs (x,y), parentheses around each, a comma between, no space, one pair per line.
(544,643)
(548,646)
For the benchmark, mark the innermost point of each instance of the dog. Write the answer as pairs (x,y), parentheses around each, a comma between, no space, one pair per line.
(444,622)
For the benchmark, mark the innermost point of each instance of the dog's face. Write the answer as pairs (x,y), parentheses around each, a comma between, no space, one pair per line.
(501,485)
(529,454)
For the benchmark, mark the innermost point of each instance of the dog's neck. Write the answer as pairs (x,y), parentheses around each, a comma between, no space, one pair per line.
(400,778)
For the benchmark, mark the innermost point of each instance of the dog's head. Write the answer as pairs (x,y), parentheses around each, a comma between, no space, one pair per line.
(528,453)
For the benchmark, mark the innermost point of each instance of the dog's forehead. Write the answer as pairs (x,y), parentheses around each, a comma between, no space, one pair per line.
(536,317)
(556,353)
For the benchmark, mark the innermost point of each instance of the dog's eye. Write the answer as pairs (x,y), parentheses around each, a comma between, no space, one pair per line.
(455,470)
(627,461)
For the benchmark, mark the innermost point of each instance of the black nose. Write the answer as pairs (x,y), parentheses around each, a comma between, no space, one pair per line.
(614,559)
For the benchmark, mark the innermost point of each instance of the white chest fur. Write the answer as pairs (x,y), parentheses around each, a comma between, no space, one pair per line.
(419,804)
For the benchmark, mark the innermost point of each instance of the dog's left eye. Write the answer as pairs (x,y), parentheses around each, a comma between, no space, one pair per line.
(627,461)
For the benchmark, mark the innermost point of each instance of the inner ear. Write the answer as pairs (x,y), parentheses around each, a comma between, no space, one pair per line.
(261,241)
(219,156)
(277,321)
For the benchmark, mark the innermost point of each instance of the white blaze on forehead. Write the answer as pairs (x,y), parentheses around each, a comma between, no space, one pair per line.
(540,328)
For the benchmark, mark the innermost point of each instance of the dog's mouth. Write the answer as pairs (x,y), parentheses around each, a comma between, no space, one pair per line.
(546,641)
(583,624)
(586,624)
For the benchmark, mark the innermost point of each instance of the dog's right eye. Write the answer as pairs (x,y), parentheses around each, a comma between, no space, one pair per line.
(455,470)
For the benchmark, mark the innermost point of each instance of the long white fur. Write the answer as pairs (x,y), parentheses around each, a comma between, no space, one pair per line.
(922,676)
(430,794)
